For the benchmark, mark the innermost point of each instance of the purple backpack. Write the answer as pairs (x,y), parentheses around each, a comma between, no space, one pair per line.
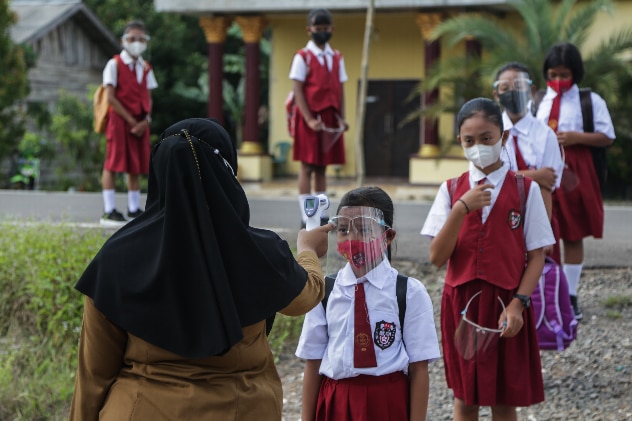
(554,317)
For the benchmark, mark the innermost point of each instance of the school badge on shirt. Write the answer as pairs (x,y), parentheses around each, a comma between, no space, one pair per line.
(514,219)
(384,334)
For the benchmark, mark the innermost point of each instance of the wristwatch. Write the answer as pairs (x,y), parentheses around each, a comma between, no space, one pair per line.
(525,300)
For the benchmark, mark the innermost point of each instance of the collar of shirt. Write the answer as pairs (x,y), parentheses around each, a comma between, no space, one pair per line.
(311,46)
(376,277)
(129,60)
(494,177)
(550,93)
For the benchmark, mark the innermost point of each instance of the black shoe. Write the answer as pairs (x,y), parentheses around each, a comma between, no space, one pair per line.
(578,313)
(138,212)
(113,219)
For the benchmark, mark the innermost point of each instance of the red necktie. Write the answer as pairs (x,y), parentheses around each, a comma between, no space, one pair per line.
(555,112)
(363,349)
(519,159)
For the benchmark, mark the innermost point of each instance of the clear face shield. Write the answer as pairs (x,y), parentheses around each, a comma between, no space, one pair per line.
(473,340)
(358,238)
(514,91)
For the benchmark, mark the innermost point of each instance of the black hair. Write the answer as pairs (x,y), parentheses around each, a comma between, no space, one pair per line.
(319,17)
(485,106)
(134,24)
(373,197)
(567,55)
(513,65)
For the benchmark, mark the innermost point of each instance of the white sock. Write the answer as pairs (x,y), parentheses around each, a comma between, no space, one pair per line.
(573,273)
(108,201)
(301,204)
(325,213)
(133,197)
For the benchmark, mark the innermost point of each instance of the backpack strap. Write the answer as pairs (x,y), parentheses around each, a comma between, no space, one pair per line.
(401,288)
(522,193)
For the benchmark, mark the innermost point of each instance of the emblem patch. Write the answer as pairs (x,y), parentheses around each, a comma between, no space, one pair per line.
(384,334)
(514,219)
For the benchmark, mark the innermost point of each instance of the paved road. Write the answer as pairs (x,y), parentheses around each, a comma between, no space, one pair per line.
(280,215)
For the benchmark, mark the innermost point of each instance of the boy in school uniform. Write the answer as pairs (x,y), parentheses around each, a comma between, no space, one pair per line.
(317,73)
(128,80)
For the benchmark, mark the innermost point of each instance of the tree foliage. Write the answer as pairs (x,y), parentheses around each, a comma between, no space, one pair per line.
(13,84)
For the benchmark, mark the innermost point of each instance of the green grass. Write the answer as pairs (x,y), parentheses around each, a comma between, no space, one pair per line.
(40,317)
(618,301)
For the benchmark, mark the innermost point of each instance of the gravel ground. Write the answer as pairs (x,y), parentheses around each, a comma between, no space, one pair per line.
(590,380)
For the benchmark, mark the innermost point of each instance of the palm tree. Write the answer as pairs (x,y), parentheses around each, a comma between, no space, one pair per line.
(544,23)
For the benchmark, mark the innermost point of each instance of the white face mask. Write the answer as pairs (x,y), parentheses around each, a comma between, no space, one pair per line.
(483,155)
(135,48)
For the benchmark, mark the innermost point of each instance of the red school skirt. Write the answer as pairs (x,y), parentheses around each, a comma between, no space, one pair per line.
(509,373)
(124,152)
(577,204)
(364,398)
(310,147)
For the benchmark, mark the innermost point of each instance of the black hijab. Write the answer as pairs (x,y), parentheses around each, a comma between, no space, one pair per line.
(190,272)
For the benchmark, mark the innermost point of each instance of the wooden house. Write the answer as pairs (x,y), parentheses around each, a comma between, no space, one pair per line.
(70,43)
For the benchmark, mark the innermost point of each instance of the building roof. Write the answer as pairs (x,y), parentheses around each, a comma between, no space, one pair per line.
(295,6)
(38,18)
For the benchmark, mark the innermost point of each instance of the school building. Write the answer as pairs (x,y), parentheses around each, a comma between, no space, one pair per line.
(399,56)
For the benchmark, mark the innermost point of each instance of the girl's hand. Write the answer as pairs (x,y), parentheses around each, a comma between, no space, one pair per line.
(314,124)
(568,138)
(478,197)
(513,319)
(545,177)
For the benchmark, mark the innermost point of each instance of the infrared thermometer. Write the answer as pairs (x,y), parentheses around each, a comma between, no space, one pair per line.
(314,208)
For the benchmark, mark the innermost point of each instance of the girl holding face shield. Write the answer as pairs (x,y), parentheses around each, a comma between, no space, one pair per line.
(362,362)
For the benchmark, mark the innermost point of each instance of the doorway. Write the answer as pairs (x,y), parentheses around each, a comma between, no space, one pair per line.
(387,146)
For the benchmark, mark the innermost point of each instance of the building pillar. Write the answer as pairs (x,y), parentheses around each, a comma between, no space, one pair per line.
(429,126)
(252,28)
(215,32)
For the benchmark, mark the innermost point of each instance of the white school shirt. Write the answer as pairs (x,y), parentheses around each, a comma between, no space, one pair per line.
(299,69)
(537,142)
(537,228)
(110,72)
(330,337)
(571,112)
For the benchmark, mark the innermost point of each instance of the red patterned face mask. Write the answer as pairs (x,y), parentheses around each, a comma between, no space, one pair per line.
(560,86)
(363,254)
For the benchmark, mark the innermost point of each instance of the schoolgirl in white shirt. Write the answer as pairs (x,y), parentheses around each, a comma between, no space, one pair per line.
(578,204)
(494,248)
(396,384)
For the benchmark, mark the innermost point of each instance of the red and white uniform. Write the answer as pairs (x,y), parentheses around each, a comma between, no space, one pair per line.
(578,207)
(323,73)
(490,257)
(132,80)
(330,337)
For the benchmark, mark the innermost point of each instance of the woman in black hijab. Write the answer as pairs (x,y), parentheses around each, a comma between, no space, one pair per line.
(177,300)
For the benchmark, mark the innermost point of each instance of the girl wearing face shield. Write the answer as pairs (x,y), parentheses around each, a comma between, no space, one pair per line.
(532,147)
(494,246)
(366,359)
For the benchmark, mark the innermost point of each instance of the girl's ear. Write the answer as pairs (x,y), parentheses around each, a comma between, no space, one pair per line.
(390,236)
(505,136)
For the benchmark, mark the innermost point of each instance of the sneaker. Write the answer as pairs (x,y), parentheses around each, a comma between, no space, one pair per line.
(578,313)
(113,219)
(138,212)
